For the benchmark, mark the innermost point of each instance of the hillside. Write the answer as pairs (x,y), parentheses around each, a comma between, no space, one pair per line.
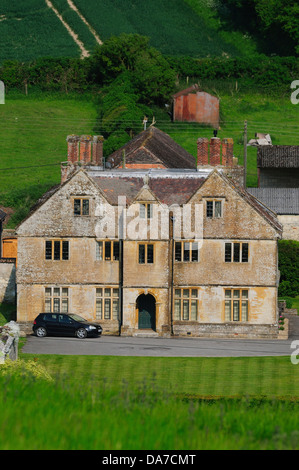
(73,28)
(33,140)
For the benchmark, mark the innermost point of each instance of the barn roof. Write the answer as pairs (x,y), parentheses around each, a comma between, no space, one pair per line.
(278,156)
(280,200)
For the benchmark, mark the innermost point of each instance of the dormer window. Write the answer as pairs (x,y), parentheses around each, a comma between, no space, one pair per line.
(145,210)
(81,206)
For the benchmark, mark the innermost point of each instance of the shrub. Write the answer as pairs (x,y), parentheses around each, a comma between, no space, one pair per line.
(24,369)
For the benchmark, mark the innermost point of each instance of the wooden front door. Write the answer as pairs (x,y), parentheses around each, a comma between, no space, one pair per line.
(146,305)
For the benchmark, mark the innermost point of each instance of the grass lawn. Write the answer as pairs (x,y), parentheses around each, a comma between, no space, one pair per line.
(122,403)
(196,377)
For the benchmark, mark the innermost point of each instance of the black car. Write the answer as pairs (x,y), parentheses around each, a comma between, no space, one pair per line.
(64,324)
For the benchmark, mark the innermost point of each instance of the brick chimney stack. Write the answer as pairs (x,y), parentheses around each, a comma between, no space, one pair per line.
(202,151)
(97,150)
(215,151)
(72,148)
(85,148)
(227,152)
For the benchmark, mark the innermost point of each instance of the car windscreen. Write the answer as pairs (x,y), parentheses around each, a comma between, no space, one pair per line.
(76,317)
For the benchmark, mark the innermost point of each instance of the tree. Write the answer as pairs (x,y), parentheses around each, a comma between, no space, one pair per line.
(150,73)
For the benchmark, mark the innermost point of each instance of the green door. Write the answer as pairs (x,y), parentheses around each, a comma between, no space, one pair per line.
(146,312)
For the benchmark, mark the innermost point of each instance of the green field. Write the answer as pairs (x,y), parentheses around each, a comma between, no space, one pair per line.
(34,130)
(176,27)
(30,29)
(119,403)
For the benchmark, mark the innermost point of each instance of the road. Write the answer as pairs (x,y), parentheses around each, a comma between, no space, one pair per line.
(158,347)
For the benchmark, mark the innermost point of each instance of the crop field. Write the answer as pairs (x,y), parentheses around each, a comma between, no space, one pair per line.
(29,29)
(32,29)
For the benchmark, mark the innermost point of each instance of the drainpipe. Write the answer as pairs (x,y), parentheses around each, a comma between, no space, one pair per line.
(171,256)
(121,277)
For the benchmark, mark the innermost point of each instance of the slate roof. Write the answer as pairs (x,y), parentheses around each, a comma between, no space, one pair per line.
(278,156)
(153,146)
(280,200)
(168,190)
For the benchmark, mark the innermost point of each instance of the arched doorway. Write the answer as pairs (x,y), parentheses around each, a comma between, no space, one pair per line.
(146,306)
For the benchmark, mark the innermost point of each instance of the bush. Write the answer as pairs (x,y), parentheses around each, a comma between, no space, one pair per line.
(24,369)
(288,256)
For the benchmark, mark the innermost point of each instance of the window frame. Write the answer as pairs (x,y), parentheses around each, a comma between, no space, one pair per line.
(104,243)
(51,253)
(182,250)
(213,201)
(231,254)
(56,298)
(102,301)
(238,303)
(148,210)
(183,300)
(81,213)
(146,255)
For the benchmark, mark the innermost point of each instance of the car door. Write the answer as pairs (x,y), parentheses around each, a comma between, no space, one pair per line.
(66,325)
(51,323)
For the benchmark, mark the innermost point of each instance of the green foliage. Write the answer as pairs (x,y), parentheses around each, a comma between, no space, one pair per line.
(276,20)
(24,369)
(150,73)
(289,268)
(120,113)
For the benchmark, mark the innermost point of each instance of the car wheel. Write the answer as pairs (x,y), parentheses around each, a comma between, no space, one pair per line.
(41,332)
(81,333)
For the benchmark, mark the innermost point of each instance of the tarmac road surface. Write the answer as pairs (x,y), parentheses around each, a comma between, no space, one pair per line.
(159,347)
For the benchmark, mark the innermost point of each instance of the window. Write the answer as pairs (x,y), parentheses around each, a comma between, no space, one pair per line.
(81,206)
(236,252)
(107,303)
(186,304)
(107,250)
(146,253)
(57,250)
(56,299)
(236,305)
(214,209)
(145,211)
(186,251)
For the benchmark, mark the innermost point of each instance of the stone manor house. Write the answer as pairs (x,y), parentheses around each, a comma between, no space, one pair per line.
(148,248)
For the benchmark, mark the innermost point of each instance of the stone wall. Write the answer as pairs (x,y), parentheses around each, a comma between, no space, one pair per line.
(7,282)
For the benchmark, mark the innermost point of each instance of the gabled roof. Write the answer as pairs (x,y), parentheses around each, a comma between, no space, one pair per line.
(280,200)
(278,156)
(153,146)
(168,190)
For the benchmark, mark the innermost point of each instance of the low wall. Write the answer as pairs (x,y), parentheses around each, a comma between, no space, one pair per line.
(7,281)
(9,340)
(227,330)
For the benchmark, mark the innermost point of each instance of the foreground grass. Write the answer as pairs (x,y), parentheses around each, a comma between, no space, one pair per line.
(37,414)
